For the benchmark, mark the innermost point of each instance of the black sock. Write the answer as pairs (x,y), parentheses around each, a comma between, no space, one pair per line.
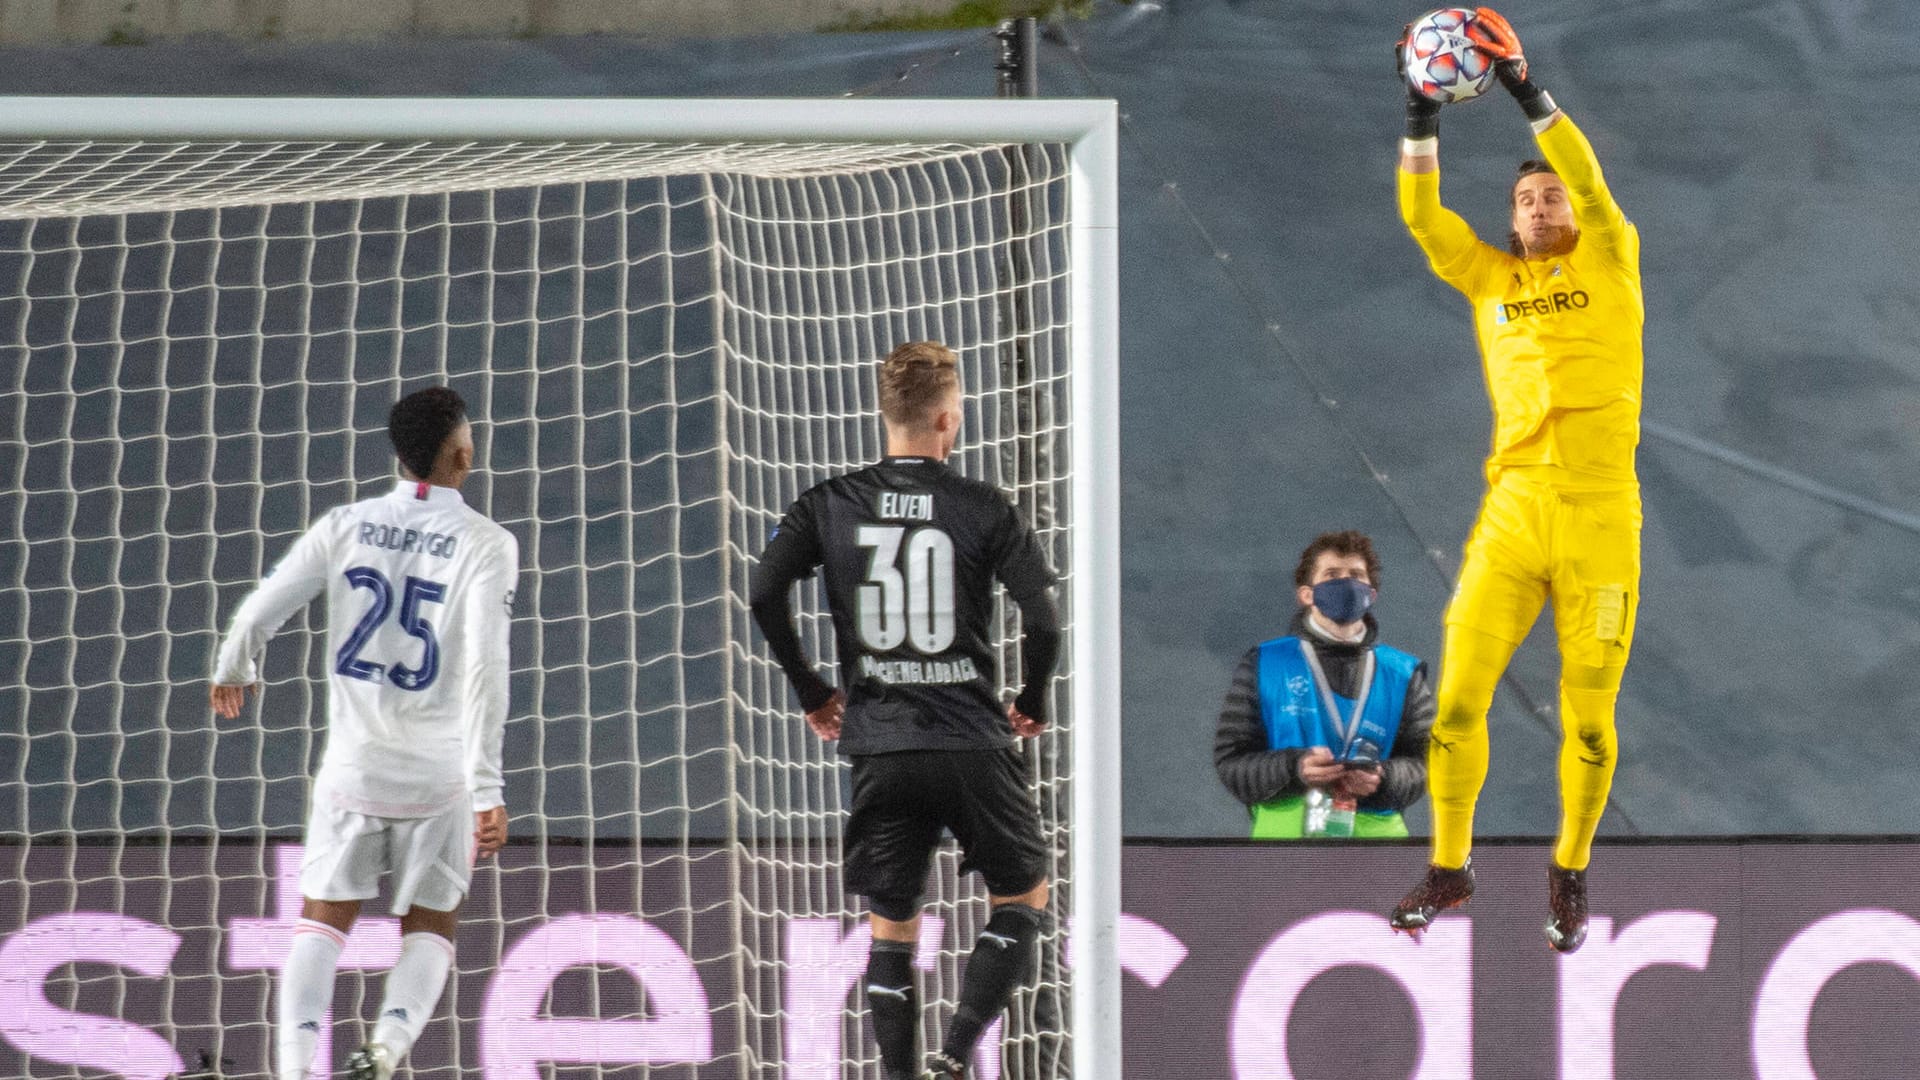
(998,963)
(894,1002)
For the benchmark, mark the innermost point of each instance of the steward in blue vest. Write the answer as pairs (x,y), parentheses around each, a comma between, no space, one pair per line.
(1275,713)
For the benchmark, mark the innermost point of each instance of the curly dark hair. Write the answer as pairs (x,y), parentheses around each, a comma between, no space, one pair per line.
(1347,542)
(420,425)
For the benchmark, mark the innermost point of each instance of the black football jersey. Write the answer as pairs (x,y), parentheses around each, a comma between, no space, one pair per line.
(909,550)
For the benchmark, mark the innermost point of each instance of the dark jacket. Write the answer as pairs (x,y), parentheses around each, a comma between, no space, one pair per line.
(1255,774)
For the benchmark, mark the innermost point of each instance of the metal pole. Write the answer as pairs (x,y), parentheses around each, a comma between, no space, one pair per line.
(1018,71)
(1093,436)
(1037,1024)
(782,120)
(1017,75)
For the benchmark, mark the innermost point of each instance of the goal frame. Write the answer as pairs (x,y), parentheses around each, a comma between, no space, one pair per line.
(1088,128)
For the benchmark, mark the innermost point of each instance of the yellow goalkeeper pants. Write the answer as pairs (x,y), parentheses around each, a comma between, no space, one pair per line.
(1533,541)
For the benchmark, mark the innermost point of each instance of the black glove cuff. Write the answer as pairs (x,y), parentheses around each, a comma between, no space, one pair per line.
(1423,117)
(1535,102)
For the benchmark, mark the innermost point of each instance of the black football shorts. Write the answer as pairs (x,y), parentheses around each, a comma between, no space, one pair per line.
(901,802)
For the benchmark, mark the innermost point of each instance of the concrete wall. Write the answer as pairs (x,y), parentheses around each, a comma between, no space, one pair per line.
(132,22)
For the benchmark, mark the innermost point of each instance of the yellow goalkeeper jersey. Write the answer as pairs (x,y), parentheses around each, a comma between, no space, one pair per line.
(1559,336)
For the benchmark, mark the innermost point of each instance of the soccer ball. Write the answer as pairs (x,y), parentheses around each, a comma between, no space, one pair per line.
(1443,64)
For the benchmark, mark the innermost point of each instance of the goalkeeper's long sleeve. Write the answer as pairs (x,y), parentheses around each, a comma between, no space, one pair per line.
(1602,222)
(1458,257)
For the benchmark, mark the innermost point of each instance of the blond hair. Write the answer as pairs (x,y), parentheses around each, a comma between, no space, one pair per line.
(915,380)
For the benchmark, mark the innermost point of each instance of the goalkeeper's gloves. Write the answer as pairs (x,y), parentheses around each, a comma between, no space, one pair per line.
(1491,31)
(1423,113)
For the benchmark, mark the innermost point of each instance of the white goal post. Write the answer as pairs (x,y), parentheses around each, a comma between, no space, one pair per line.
(104,167)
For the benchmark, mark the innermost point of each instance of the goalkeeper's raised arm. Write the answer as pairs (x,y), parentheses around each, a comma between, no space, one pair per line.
(1453,250)
(1561,142)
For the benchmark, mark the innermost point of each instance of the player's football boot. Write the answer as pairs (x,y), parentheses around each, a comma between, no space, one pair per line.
(371,1062)
(1441,889)
(1566,907)
(942,1067)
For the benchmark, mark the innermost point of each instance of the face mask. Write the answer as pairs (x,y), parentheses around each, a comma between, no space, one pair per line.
(1343,600)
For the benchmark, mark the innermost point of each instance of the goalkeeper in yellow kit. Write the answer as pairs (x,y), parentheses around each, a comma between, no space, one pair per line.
(1558,316)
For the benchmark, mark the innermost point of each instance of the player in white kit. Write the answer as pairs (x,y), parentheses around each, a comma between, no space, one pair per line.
(419,594)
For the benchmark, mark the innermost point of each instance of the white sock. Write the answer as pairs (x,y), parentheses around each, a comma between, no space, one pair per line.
(413,991)
(306,994)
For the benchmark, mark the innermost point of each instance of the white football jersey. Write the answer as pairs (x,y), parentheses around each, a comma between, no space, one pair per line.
(419,594)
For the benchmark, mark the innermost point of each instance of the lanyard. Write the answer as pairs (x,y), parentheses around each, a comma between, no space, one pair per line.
(1348,730)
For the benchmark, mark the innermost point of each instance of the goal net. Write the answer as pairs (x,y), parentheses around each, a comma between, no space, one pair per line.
(663,339)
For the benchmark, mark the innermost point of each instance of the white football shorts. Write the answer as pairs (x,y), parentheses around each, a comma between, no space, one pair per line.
(430,858)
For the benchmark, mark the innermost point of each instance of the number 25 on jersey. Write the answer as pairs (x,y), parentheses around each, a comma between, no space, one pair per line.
(417,591)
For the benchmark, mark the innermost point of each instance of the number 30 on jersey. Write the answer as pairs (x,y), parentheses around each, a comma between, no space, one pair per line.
(916,605)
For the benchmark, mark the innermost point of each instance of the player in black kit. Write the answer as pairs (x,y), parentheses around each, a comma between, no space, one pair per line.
(911,550)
